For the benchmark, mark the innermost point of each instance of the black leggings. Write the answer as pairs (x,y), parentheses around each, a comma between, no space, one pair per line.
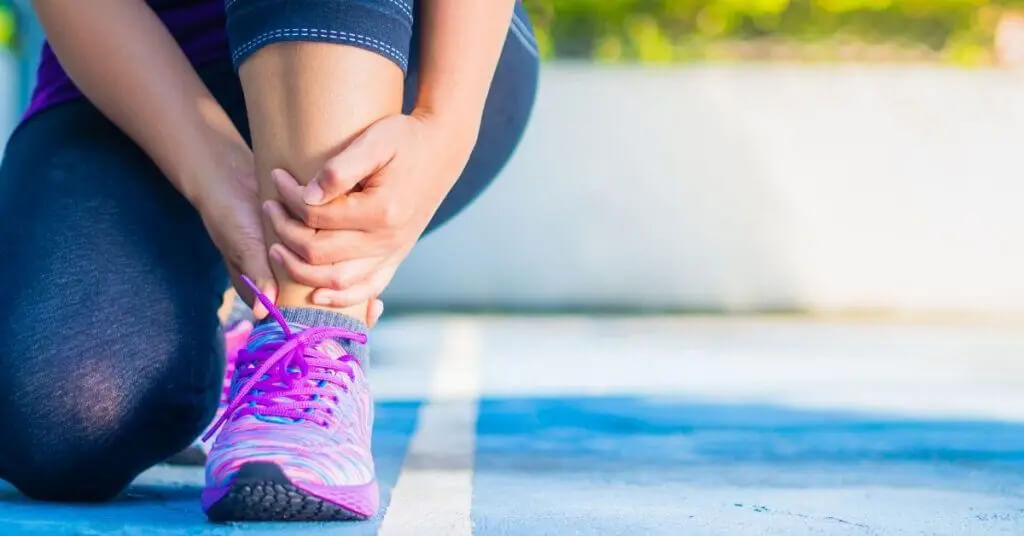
(110,347)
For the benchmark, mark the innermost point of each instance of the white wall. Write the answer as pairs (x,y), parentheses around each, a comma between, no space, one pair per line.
(741,188)
(747,187)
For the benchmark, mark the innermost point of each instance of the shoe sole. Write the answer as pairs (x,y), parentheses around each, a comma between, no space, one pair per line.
(261,492)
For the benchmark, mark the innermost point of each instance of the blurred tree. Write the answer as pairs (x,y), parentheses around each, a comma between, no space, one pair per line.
(959,31)
(6,24)
(658,31)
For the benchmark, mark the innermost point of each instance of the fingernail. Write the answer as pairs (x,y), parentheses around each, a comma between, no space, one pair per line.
(313,194)
(276,255)
(267,206)
(320,299)
(279,175)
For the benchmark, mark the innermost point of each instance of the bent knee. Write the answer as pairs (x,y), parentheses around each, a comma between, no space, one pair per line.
(50,464)
(90,450)
(77,481)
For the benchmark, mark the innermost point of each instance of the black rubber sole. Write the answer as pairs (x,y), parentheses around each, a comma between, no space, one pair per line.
(261,492)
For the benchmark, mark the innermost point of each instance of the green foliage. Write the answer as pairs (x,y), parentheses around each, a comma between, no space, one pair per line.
(661,31)
(6,25)
(656,31)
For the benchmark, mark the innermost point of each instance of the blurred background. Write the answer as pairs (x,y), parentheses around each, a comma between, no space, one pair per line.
(736,155)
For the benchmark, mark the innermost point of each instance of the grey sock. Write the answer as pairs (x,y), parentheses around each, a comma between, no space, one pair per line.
(309,316)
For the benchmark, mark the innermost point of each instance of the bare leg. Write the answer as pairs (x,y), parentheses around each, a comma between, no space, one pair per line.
(305,102)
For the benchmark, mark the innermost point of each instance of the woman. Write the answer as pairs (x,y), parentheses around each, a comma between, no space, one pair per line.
(306,144)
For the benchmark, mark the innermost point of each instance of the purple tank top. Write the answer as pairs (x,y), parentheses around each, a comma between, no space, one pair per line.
(197,25)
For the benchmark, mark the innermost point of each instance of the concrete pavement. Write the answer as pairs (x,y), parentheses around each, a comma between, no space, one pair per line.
(660,425)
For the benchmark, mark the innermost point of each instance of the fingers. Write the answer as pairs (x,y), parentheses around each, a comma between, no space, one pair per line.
(365,290)
(363,157)
(292,232)
(325,246)
(353,211)
(332,276)
(255,266)
(267,287)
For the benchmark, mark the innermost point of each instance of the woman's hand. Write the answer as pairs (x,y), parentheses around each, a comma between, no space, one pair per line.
(346,232)
(228,203)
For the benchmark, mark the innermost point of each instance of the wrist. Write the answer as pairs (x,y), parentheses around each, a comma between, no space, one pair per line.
(455,126)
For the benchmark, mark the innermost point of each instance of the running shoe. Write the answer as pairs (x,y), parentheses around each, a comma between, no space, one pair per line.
(294,439)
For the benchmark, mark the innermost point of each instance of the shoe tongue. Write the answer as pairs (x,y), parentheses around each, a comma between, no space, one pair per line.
(269,332)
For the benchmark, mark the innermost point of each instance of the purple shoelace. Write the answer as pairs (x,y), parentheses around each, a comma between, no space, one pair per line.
(291,375)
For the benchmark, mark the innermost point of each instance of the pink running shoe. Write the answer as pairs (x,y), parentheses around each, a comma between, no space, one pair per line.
(294,440)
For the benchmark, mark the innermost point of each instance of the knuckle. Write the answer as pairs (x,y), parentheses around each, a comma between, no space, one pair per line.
(338,281)
(389,239)
(305,250)
(293,269)
(328,175)
(376,132)
(383,242)
(315,255)
(281,228)
(392,215)
(346,298)
(313,218)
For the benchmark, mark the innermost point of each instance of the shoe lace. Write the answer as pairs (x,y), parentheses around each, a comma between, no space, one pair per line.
(291,376)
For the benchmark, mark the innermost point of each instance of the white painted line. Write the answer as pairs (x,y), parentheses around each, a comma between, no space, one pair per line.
(434,492)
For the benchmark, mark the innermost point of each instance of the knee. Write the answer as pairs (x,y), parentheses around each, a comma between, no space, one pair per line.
(68,480)
(86,456)
(84,434)
(80,457)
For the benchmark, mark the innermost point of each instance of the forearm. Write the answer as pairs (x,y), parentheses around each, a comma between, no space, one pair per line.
(121,56)
(461,44)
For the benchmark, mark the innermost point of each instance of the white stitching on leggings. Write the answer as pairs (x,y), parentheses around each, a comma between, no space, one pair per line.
(229,3)
(337,36)
(523,28)
(343,35)
(388,50)
(530,47)
(401,6)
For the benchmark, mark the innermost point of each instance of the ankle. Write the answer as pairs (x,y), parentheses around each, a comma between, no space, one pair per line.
(301,300)
(317,317)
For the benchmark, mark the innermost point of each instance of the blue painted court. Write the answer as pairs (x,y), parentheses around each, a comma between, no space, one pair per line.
(691,425)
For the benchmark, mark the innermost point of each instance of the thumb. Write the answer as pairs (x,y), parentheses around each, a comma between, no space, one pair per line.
(367,154)
(374,309)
